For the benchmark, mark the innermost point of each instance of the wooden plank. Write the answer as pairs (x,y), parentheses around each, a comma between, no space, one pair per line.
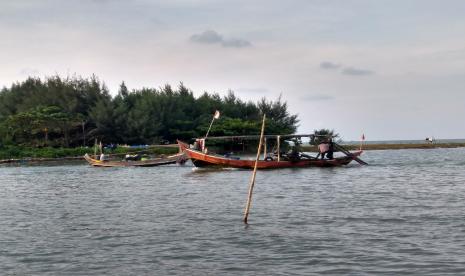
(348,153)
(256,137)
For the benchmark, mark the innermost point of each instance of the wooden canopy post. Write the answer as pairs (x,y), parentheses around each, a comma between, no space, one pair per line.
(252,180)
(278,138)
(101,147)
(83,124)
(46,136)
(95,148)
(264,148)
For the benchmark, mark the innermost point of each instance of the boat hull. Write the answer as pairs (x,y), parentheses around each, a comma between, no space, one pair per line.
(200,159)
(146,163)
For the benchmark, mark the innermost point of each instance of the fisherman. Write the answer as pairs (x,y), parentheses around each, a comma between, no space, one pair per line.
(323,148)
(103,157)
(199,145)
(330,152)
(196,145)
(294,154)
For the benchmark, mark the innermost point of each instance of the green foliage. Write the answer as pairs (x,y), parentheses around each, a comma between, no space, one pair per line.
(74,111)
(320,135)
(279,119)
(8,152)
(230,127)
(33,127)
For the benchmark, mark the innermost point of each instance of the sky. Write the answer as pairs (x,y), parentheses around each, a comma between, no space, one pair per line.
(391,69)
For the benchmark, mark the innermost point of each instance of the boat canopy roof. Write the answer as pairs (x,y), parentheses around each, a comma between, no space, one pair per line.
(257,137)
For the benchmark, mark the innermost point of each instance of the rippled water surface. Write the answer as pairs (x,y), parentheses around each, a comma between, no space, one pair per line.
(403,214)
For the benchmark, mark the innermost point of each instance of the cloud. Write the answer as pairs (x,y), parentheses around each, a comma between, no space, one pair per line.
(236,43)
(329,65)
(212,37)
(207,37)
(352,71)
(317,98)
(346,70)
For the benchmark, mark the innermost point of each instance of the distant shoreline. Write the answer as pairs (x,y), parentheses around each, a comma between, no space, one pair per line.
(351,147)
(388,146)
(13,154)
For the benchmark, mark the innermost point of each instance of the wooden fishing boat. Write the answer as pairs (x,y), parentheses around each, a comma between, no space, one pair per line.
(179,157)
(200,159)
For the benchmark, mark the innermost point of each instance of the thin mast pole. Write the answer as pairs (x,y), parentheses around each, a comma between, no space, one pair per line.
(208,131)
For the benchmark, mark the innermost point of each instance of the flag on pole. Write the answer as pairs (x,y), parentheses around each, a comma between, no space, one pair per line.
(217,115)
(362,139)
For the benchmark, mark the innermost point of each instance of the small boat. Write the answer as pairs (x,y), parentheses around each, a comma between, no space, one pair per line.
(176,158)
(201,159)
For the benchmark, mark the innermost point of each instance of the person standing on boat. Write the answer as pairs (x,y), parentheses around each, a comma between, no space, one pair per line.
(294,154)
(196,145)
(330,152)
(323,148)
(199,145)
(103,157)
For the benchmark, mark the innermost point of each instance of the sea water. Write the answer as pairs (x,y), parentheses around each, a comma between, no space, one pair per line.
(402,214)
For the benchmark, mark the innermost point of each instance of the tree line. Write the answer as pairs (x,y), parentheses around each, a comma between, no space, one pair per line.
(74,111)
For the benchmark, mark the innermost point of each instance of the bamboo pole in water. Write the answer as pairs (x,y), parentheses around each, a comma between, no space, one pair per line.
(252,180)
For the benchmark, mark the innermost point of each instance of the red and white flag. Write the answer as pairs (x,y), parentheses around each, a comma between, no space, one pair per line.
(217,115)
(362,139)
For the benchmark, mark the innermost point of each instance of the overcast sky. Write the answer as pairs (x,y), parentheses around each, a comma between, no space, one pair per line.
(389,69)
